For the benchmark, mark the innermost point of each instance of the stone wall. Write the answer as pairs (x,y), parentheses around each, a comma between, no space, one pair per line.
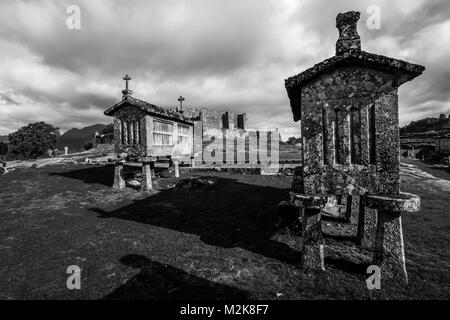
(213,119)
(210,126)
(236,147)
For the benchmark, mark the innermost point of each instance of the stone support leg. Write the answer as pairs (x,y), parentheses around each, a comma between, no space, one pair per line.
(367,225)
(389,252)
(119,180)
(146,184)
(176,169)
(312,239)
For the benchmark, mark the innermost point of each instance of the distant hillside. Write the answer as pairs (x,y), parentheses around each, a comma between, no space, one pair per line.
(75,138)
(438,124)
(3,138)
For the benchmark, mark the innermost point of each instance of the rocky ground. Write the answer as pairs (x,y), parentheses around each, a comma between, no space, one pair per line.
(189,239)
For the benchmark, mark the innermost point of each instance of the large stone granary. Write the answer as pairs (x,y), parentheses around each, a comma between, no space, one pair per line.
(348,108)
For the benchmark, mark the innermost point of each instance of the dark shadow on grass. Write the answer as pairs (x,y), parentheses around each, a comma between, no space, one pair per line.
(346,265)
(157,281)
(341,238)
(96,174)
(105,174)
(227,214)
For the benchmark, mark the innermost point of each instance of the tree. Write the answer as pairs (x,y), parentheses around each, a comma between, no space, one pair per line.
(34,139)
(293,140)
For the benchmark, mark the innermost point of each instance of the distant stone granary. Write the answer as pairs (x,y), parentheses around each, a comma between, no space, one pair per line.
(142,129)
(348,107)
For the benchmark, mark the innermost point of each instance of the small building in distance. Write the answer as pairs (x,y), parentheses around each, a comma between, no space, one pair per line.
(443,143)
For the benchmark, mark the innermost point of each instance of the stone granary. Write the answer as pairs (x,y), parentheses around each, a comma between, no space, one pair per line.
(145,129)
(348,107)
(144,133)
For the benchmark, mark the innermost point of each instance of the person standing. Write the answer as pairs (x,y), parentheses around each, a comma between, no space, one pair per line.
(66,150)
(3,153)
(50,152)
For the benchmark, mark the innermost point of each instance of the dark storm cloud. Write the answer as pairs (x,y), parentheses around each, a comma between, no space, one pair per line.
(228,55)
(169,38)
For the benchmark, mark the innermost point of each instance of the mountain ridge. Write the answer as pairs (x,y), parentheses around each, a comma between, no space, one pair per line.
(75,138)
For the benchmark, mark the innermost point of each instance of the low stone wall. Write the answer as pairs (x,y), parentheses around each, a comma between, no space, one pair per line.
(284,169)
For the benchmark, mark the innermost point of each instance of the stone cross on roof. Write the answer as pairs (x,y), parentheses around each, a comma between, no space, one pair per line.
(348,34)
(181,99)
(127,92)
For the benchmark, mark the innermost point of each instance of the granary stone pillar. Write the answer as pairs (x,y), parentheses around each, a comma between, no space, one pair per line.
(389,251)
(176,168)
(312,239)
(119,180)
(146,183)
(312,254)
(367,225)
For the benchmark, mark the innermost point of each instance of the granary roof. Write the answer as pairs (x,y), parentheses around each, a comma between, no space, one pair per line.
(406,71)
(149,108)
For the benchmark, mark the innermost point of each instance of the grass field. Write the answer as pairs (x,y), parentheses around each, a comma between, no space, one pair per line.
(215,242)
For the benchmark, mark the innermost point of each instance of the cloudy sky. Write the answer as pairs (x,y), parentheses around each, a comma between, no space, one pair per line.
(223,54)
